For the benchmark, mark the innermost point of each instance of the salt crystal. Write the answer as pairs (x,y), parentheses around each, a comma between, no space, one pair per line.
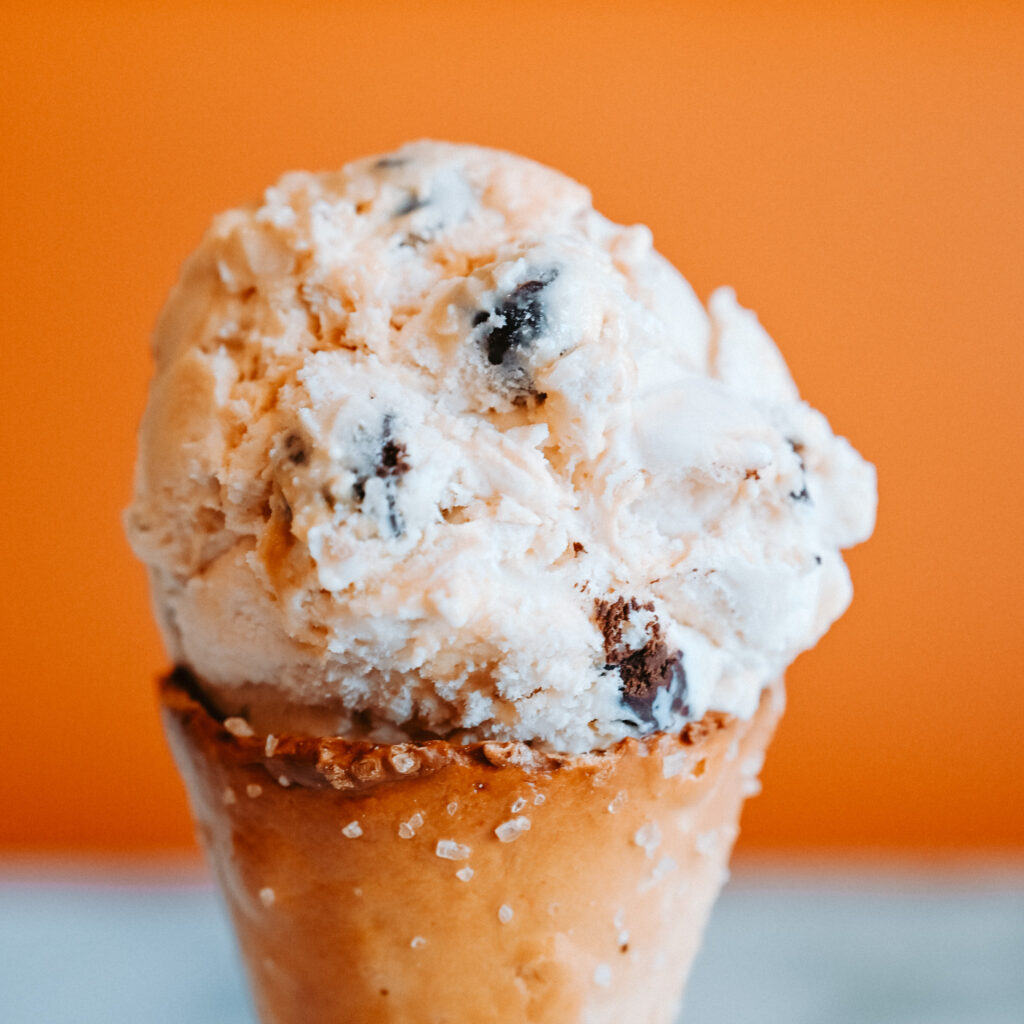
(270,746)
(648,837)
(465,874)
(353,830)
(539,799)
(407,829)
(228,796)
(603,975)
(510,830)
(448,849)
(453,807)
(505,913)
(518,805)
(662,868)
(267,896)
(283,780)
(253,790)
(238,727)
(707,842)
(418,942)
(617,801)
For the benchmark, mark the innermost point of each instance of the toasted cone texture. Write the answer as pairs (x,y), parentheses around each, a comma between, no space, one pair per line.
(482,884)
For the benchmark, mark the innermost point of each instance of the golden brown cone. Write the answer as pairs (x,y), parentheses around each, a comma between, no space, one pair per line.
(591,875)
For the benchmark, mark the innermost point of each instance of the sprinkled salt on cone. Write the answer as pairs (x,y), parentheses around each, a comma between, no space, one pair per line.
(479,884)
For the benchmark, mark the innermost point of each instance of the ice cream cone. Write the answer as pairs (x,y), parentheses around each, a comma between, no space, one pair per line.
(479,884)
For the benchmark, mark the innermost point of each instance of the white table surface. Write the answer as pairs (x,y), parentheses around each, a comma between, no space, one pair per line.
(785,946)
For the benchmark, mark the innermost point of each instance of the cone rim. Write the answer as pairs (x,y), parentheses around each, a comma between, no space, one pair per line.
(339,763)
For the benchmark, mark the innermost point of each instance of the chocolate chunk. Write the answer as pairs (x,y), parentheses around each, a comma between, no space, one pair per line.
(798,449)
(523,315)
(393,461)
(295,450)
(644,671)
(411,203)
(390,466)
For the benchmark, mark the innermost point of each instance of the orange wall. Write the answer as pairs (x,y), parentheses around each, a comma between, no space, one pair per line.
(856,176)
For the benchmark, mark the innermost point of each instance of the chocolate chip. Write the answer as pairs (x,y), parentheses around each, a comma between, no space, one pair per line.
(393,461)
(645,671)
(510,328)
(578,547)
(523,315)
(386,163)
(798,449)
(390,465)
(295,450)
(411,203)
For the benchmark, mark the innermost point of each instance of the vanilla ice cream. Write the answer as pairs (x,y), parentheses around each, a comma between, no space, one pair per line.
(435,449)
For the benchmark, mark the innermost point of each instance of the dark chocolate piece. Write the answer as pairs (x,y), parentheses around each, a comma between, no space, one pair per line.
(798,449)
(295,449)
(412,202)
(390,466)
(524,319)
(521,317)
(644,671)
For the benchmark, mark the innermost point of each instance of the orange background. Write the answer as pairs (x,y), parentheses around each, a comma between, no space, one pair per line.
(856,176)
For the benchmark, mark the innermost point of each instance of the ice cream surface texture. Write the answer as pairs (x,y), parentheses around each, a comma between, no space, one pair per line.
(433,448)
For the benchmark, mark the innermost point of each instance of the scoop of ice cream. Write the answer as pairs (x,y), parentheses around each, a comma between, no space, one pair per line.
(432,447)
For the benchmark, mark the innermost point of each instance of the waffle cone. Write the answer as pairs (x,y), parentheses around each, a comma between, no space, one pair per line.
(344,866)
